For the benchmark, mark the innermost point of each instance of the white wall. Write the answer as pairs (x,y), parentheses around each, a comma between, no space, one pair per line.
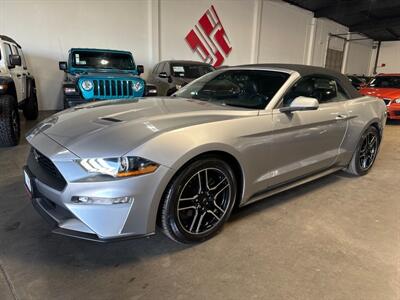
(285,33)
(323,28)
(359,56)
(178,17)
(390,56)
(154,30)
(46,31)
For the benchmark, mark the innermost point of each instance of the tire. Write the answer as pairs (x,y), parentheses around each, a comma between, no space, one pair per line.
(357,166)
(10,127)
(31,111)
(188,218)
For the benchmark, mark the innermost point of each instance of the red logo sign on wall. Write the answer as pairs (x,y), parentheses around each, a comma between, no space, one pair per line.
(209,39)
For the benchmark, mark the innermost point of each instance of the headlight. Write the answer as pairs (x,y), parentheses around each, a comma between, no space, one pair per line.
(87,85)
(119,167)
(136,86)
(68,90)
(397,101)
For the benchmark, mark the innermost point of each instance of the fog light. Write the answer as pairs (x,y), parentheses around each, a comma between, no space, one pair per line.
(101,200)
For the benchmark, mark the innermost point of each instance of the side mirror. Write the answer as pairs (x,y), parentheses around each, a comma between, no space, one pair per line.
(140,69)
(62,65)
(15,60)
(163,75)
(301,103)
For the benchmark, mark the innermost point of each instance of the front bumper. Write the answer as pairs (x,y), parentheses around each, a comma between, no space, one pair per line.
(94,222)
(394,111)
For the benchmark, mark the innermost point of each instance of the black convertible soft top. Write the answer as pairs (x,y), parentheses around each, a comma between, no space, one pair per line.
(305,70)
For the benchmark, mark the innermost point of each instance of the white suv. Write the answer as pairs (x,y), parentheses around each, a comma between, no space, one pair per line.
(17,91)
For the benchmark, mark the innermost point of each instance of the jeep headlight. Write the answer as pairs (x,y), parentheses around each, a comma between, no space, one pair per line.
(126,166)
(87,85)
(137,86)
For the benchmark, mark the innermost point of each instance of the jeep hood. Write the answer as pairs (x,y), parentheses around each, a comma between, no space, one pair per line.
(105,128)
(105,74)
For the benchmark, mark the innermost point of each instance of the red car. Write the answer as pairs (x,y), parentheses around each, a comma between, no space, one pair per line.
(386,87)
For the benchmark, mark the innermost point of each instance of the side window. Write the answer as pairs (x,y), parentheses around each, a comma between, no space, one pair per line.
(160,67)
(22,58)
(14,50)
(324,89)
(8,52)
(166,68)
(155,69)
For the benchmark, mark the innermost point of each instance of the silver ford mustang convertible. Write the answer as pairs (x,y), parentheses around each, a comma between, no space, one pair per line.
(112,170)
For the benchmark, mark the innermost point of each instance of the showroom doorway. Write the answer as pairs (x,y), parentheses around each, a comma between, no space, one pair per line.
(335,53)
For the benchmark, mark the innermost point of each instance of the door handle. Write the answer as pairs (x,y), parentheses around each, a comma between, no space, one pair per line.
(340,117)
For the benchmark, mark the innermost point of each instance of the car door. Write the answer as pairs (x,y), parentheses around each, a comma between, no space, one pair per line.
(16,72)
(307,142)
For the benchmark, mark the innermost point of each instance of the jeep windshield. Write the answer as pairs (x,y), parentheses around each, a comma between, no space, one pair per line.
(102,60)
(190,70)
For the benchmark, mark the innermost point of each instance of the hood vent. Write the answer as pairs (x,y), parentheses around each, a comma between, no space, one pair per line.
(111,119)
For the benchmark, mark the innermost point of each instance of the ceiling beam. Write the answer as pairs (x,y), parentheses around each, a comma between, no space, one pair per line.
(352,7)
(374,25)
(392,33)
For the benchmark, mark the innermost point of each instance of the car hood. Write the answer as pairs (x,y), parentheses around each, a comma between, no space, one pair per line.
(390,93)
(104,74)
(113,128)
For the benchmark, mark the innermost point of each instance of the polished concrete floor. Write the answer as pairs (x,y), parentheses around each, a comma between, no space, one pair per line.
(335,238)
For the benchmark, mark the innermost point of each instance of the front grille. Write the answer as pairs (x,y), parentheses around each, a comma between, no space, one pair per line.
(112,88)
(387,101)
(44,169)
(46,163)
(397,112)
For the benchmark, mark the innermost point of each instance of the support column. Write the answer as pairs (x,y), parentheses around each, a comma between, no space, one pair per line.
(346,52)
(255,41)
(154,31)
(311,41)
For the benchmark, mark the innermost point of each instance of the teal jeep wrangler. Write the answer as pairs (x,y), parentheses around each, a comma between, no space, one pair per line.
(100,74)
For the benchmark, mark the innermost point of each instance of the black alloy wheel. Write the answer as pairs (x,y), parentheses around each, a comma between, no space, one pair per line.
(199,201)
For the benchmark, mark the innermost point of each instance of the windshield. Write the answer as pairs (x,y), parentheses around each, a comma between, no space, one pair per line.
(355,79)
(385,82)
(242,88)
(102,60)
(190,71)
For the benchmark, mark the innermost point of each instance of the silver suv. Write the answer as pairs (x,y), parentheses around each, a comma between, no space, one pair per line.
(169,76)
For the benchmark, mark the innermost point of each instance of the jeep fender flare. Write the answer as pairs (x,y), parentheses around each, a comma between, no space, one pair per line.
(30,86)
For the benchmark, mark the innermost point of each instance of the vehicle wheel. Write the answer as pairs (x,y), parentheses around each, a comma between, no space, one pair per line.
(30,109)
(10,128)
(198,201)
(365,154)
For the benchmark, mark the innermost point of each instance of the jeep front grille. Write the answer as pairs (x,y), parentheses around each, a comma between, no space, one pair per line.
(112,88)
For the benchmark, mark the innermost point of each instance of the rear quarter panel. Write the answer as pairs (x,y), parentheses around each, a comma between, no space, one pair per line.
(362,113)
